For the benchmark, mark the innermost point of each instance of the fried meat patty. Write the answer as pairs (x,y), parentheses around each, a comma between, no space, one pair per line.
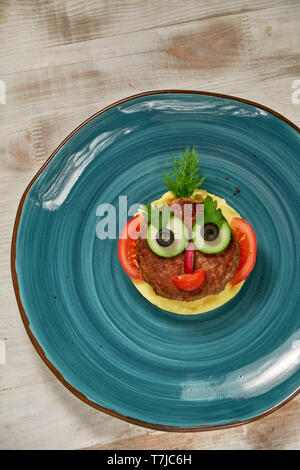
(159,272)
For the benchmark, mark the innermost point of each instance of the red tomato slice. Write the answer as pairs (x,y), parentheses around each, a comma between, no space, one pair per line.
(127,247)
(248,248)
(190,282)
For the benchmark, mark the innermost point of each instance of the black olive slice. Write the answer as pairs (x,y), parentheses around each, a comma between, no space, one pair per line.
(210,231)
(165,237)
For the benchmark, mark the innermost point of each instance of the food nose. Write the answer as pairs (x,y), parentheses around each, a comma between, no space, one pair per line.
(189,256)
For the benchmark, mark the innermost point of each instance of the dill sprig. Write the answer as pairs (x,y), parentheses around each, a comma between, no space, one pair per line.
(185,174)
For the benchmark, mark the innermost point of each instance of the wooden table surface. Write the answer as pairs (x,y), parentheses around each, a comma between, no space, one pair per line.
(62,61)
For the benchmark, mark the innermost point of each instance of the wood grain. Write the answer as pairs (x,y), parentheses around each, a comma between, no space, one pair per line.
(61,62)
(267,434)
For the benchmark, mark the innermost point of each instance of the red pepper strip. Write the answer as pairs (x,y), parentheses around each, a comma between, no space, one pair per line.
(189,258)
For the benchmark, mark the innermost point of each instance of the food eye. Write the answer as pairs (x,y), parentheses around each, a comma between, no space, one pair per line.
(210,231)
(165,237)
(168,241)
(209,238)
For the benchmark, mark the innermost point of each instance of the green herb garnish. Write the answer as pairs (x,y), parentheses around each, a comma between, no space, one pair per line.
(185,178)
(158,216)
(211,213)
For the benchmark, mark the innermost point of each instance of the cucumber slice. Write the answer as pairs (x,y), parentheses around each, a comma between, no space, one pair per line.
(215,246)
(181,238)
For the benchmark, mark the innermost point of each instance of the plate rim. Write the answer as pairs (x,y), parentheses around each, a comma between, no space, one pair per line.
(35,343)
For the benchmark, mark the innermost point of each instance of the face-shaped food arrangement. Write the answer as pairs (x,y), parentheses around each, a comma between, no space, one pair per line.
(189,252)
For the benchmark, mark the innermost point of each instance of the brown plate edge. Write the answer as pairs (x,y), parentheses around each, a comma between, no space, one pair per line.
(25,320)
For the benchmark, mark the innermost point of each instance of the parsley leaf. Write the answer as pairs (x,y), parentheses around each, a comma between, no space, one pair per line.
(211,213)
(159,217)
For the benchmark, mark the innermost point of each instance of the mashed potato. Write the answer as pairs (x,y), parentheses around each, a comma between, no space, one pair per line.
(205,304)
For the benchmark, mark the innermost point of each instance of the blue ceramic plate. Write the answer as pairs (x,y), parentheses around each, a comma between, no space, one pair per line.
(106,342)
